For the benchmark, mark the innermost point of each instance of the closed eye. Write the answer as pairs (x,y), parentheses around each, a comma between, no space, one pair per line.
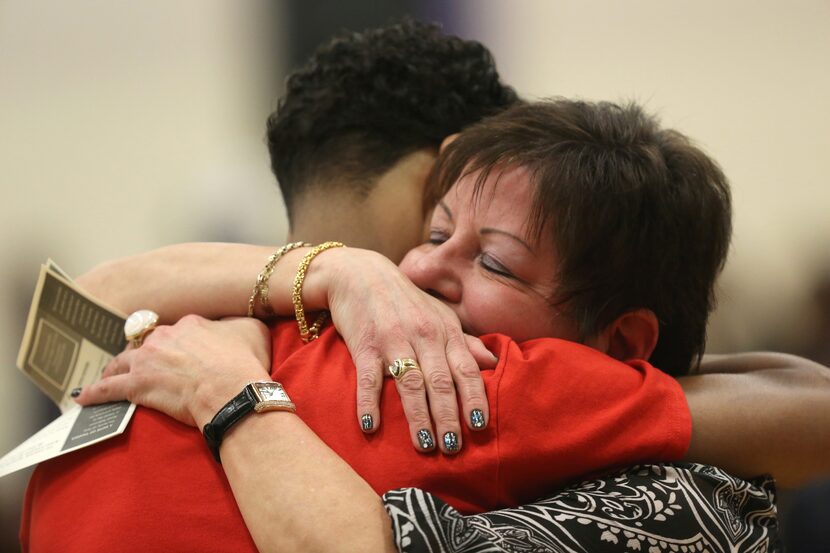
(437,237)
(492,265)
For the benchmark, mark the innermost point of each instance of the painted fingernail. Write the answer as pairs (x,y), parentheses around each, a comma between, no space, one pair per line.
(75,392)
(425,439)
(477,418)
(367,422)
(451,441)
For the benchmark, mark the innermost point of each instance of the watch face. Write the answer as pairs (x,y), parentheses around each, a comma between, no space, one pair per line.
(270,391)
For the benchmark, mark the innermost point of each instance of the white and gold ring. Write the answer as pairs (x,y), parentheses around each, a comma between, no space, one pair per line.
(139,324)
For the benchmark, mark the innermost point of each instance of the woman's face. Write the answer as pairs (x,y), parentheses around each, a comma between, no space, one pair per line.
(480,261)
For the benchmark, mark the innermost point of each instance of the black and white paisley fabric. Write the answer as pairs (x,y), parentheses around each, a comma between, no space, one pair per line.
(648,508)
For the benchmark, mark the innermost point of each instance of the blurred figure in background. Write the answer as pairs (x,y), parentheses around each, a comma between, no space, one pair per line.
(806,512)
(818,349)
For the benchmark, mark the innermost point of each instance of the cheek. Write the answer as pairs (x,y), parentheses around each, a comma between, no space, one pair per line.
(493,307)
(556,326)
(516,314)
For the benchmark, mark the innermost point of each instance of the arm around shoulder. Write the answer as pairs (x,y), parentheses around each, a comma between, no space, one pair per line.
(209,279)
(762,413)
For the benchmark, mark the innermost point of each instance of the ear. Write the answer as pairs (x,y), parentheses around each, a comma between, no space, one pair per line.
(447,141)
(632,335)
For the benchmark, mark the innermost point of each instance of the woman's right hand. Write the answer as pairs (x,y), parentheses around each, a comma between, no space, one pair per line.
(382,317)
(188,370)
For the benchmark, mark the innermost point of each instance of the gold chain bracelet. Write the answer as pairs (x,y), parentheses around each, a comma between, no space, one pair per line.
(308,333)
(261,284)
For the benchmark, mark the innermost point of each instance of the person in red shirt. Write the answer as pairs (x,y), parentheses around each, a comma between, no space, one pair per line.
(455,264)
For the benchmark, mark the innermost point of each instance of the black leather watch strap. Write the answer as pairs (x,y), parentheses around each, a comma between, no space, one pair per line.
(230,414)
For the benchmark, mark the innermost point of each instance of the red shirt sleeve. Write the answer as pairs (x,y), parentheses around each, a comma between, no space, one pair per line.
(563,409)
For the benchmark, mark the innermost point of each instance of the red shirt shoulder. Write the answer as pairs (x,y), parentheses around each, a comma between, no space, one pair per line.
(558,411)
(569,411)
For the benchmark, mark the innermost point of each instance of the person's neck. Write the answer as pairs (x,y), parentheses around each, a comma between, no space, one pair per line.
(317,234)
(338,219)
(388,219)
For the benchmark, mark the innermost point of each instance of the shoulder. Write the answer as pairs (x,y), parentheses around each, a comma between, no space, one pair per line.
(657,505)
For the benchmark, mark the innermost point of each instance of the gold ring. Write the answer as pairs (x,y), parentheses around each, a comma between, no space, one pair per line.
(139,324)
(400,367)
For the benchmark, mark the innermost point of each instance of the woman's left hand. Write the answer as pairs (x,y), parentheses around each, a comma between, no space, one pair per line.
(383,317)
(188,370)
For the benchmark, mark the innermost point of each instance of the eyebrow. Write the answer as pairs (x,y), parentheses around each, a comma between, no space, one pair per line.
(489,230)
(446,209)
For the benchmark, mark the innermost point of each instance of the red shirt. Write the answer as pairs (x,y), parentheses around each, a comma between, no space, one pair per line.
(558,411)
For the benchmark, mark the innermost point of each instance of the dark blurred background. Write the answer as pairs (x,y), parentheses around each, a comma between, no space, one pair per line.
(126,126)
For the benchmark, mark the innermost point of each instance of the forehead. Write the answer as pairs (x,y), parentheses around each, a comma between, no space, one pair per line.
(502,194)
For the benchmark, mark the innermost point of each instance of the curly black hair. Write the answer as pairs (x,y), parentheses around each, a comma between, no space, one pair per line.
(364,100)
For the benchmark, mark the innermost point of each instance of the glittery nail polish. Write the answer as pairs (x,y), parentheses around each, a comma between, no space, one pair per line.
(367,422)
(425,439)
(75,392)
(451,441)
(477,418)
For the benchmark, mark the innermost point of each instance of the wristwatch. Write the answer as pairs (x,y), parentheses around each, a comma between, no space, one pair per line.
(256,396)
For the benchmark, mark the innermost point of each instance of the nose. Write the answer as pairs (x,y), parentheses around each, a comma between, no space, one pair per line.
(435,270)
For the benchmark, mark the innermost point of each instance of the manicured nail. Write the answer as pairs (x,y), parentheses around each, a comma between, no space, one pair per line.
(367,422)
(75,392)
(451,441)
(496,357)
(425,439)
(477,418)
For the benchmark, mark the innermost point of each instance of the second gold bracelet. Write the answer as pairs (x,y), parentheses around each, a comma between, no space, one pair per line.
(261,285)
(308,333)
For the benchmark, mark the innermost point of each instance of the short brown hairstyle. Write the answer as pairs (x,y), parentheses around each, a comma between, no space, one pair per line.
(640,217)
